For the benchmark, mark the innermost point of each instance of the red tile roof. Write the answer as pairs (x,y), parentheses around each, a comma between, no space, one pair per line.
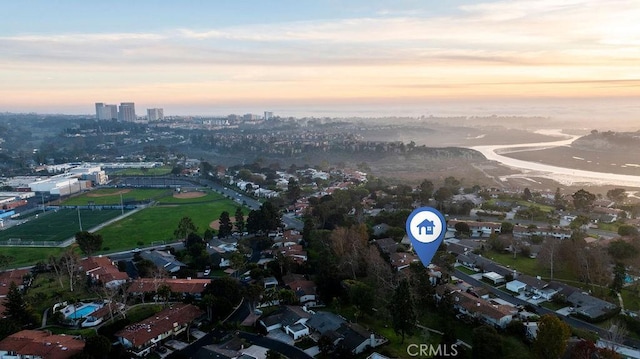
(102,269)
(142,332)
(150,285)
(42,344)
(11,276)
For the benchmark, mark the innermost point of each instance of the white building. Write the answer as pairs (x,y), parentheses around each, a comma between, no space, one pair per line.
(155,114)
(106,112)
(127,112)
(60,186)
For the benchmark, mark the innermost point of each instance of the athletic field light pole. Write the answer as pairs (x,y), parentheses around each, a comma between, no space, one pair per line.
(79,219)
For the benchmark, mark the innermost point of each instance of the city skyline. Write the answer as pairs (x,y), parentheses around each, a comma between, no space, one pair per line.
(288,57)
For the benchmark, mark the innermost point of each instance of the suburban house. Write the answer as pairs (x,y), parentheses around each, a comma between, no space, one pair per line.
(305,289)
(234,348)
(163,260)
(7,277)
(606,214)
(291,235)
(516,286)
(295,252)
(493,277)
(270,283)
(479,263)
(478,229)
(352,336)
(521,232)
(290,319)
(537,286)
(590,307)
(185,287)
(37,344)
(102,270)
(467,304)
(402,260)
(140,338)
(386,245)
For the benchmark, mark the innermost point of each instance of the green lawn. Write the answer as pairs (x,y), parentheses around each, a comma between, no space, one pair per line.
(156,171)
(23,256)
(149,226)
(57,225)
(158,223)
(528,266)
(630,299)
(46,290)
(111,196)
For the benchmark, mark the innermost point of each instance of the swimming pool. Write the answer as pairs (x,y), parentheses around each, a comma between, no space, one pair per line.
(80,312)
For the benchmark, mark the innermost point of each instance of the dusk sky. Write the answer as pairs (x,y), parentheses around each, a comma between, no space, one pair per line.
(217,57)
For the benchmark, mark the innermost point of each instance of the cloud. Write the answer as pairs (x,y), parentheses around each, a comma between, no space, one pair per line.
(485,48)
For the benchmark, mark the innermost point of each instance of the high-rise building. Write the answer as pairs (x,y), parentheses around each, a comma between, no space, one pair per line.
(127,112)
(155,114)
(106,112)
(268,115)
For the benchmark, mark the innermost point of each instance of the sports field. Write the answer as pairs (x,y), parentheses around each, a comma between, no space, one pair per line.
(111,196)
(156,224)
(56,226)
(149,226)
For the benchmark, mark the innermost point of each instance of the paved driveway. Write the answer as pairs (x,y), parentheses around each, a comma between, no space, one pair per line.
(280,335)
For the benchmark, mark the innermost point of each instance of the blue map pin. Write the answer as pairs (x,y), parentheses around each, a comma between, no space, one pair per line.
(426,227)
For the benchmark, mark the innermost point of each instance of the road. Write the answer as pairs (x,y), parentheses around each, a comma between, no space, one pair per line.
(572,321)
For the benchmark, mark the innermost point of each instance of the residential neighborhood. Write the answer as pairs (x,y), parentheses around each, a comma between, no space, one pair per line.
(270,280)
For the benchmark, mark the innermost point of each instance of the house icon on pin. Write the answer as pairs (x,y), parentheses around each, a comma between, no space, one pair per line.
(427,225)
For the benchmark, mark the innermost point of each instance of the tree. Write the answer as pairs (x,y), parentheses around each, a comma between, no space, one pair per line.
(549,254)
(267,218)
(620,250)
(293,190)
(348,246)
(69,262)
(185,227)
(53,261)
(619,275)
(403,310)
(252,293)
(272,354)
(617,195)
(5,260)
(89,242)
(627,230)
(558,200)
(452,184)
(226,227)
(97,346)
(16,307)
(552,337)
(237,261)
(582,199)
(487,343)
(463,227)
(426,190)
(526,195)
(8,327)
(239,217)
(442,195)
(163,292)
